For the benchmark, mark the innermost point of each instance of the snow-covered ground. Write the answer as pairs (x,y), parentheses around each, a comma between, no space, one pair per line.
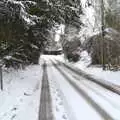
(58,102)
(20,99)
(21,95)
(99,73)
(72,99)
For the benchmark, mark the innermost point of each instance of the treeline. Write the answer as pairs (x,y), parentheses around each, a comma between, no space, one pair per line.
(105,46)
(25,26)
(21,43)
(18,46)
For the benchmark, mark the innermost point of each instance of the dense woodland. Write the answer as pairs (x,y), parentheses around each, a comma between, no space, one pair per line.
(25,29)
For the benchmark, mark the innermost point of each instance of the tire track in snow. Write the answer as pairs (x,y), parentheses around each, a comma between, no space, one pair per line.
(99,91)
(88,83)
(45,110)
(110,86)
(68,113)
(82,93)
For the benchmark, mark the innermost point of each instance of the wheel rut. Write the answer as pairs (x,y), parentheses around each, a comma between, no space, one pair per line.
(45,110)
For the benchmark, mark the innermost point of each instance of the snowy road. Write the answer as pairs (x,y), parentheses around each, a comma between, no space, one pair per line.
(75,97)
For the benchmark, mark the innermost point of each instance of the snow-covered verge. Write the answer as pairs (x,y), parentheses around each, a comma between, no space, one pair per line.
(96,72)
(21,95)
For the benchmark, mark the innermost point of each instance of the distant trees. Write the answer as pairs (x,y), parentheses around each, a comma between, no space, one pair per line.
(111,50)
(112,20)
(104,46)
(70,40)
(103,34)
(20,43)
